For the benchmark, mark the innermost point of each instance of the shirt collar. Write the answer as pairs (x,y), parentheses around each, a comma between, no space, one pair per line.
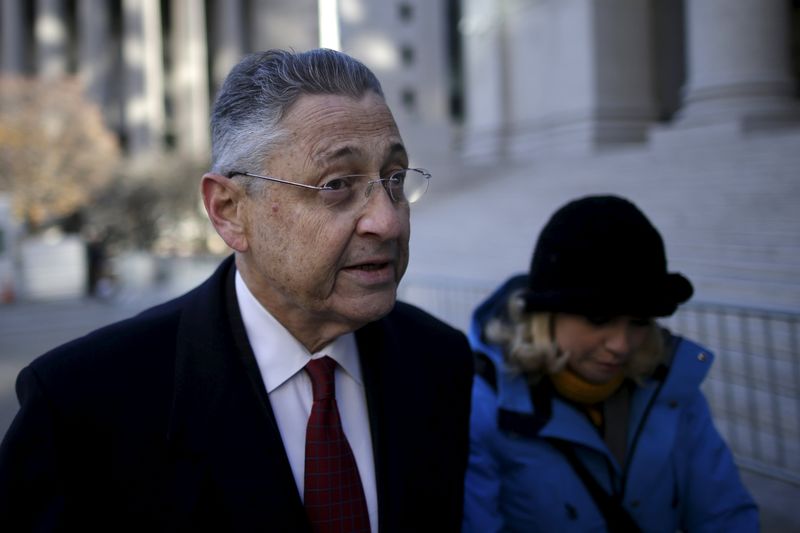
(278,354)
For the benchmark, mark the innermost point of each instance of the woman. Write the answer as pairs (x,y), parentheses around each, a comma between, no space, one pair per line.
(586,416)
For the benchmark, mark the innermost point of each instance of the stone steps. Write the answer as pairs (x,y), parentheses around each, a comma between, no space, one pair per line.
(725,203)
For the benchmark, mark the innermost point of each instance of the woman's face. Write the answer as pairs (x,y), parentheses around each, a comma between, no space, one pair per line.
(599,347)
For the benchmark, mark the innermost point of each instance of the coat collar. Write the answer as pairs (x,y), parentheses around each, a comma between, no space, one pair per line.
(688,366)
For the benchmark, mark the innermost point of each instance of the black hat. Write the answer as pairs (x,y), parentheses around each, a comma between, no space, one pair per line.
(600,256)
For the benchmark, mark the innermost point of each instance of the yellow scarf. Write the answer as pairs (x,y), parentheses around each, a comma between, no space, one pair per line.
(574,388)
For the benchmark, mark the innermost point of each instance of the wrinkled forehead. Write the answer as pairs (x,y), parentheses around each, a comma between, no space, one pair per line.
(354,150)
(337,127)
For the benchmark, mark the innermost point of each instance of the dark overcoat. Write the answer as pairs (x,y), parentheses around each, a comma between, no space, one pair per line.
(162,422)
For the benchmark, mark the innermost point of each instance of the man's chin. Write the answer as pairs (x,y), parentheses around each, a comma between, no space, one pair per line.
(371,308)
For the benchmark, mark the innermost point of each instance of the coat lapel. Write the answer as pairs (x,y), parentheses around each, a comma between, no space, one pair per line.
(398,419)
(222,426)
(370,341)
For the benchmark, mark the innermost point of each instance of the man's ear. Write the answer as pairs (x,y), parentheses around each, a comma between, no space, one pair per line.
(224,201)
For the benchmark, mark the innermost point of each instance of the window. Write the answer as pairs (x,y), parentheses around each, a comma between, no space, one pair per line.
(409,99)
(407,55)
(405,11)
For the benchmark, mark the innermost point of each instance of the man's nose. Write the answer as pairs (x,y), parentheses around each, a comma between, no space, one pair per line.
(381,216)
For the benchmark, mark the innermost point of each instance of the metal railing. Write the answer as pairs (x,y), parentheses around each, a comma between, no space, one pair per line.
(753,388)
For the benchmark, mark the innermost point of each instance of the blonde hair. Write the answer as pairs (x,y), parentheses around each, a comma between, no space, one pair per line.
(529,346)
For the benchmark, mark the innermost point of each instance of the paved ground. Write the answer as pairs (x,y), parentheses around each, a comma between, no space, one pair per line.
(29,329)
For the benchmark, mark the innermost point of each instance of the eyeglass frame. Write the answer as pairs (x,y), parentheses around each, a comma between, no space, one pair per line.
(425,174)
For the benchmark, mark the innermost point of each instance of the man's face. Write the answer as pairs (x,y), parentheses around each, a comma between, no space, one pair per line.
(315,267)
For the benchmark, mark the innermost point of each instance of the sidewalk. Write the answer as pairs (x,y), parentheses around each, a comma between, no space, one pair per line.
(777,500)
(29,329)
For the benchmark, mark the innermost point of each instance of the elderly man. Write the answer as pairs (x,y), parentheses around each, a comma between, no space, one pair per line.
(289,392)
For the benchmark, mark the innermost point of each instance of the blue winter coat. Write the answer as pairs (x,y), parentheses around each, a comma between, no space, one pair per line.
(679,474)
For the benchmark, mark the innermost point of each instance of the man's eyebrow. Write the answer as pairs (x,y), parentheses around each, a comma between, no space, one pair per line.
(398,149)
(341,153)
(349,151)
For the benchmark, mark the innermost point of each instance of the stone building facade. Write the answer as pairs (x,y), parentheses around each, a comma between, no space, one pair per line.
(154,65)
(689,107)
(578,76)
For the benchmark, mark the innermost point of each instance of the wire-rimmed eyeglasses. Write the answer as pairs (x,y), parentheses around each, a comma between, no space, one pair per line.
(406,185)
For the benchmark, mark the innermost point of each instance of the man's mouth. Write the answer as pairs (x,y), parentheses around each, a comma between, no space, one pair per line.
(370,266)
(377,272)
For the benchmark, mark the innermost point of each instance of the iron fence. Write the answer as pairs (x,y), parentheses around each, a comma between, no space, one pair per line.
(753,388)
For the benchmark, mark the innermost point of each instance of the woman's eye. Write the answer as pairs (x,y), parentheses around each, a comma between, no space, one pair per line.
(599,320)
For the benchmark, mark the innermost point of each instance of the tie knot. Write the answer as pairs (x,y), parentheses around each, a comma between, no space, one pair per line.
(321,373)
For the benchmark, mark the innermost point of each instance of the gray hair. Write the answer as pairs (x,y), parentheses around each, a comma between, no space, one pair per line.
(258,92)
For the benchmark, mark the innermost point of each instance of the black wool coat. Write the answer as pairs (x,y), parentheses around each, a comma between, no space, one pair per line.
(161,423)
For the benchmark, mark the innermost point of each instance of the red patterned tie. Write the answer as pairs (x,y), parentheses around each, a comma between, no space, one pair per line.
(333,496)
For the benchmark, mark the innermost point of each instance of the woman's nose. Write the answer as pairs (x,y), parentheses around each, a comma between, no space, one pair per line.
(618,340)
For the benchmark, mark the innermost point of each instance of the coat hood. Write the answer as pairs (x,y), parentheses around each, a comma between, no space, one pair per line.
(495,305)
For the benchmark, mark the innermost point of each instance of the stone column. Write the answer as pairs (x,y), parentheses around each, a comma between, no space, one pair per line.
(13,37)
(50,32)
(738,62)
(486,80)
(9,269)
(190,77)
(580,75)
(556,77)
(94,48)
(144,75)
(406,49)
(283,24)
(329,30)
(229,33)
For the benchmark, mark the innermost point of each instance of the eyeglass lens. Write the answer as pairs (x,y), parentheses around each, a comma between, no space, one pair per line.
(405,186)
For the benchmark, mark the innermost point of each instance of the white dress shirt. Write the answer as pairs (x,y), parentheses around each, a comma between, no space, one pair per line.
(281,359)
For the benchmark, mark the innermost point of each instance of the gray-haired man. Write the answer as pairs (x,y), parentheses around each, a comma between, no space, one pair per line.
(222,409)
